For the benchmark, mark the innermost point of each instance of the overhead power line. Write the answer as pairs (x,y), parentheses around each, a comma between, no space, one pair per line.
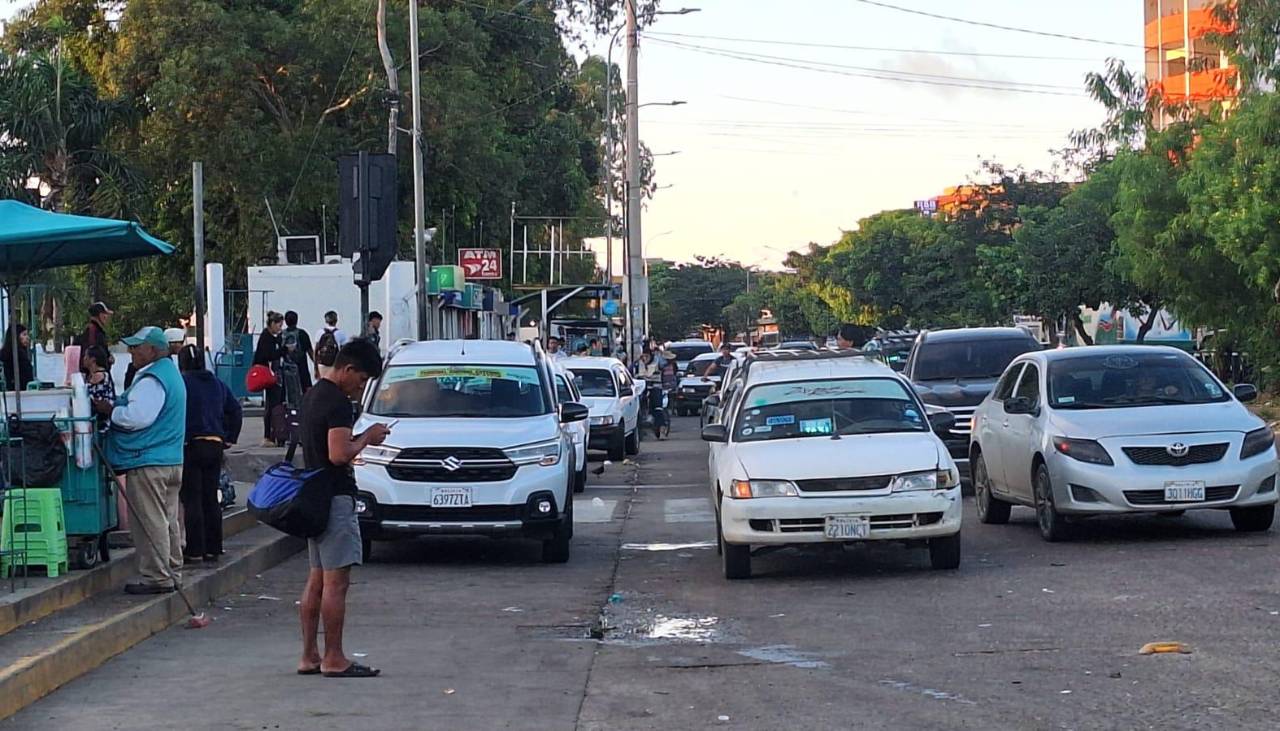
(877,49)
(997,26)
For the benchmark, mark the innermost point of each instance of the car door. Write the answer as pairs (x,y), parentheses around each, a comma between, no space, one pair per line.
(1018,447)
(566,392)
(628,398)
(991,427)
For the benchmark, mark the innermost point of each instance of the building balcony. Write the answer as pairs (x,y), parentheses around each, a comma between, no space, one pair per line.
(1167,32)
(1206,86)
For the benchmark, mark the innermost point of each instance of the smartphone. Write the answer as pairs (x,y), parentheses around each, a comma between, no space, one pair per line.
(391,423)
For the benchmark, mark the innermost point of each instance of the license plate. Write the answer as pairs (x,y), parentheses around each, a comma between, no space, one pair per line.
(450,497)
(1184,491)
(847,527)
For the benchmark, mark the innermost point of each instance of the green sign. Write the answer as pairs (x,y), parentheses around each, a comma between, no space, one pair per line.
(447,278)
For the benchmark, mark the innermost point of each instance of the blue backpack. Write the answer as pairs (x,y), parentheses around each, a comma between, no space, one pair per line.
(291,499)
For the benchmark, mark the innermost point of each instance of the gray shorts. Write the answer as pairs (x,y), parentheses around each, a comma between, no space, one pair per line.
(339,545)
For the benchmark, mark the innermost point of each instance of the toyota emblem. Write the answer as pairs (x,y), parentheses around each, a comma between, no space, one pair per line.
(1177,449)
(451,463)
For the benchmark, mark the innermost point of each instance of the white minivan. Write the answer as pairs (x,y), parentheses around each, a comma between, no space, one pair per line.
(479,445)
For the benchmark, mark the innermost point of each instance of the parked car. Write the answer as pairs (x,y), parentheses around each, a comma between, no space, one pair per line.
(1120,429)
(893,346)
(957,369)
(480,446)
(829,447)
(580,431)
(687,350)
(695,385)
(712,406)
(614,398)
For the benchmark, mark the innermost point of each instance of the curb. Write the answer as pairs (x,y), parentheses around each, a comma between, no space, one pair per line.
(39,674)
(81,585)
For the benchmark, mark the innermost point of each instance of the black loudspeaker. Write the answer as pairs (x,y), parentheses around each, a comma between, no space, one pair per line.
(367,203)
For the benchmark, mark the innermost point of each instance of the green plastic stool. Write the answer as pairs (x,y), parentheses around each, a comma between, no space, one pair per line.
(33,525)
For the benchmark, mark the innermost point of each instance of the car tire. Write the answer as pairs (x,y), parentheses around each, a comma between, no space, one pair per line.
(580,479)
(1053,526)
(991,509)
(366,549)
(719,532)
(1253,520)
(632,446)
(556,548)
(617,447)
(944,552)
(736,558)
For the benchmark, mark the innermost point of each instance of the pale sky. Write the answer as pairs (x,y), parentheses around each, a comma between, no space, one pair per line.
(773,157)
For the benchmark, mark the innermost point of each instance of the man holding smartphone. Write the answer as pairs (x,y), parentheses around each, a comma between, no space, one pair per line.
(327,443)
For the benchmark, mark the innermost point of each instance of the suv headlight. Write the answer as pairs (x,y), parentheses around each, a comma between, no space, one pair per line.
(918,481)
(1083,450)
(1256,442)
(602,421)
(543,453)
(379,455)
(762,488)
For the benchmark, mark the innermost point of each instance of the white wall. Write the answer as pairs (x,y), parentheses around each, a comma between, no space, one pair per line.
(313,289)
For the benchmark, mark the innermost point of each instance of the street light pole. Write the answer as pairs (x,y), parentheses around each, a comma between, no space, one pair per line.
(637,284)
(419,195)
(608,152)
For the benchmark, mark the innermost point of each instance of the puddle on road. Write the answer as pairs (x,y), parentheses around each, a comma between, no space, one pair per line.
(784,655)
(667,546)
(694,629)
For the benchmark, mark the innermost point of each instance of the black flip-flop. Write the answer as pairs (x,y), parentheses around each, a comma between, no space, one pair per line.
(355,670)
(312,671)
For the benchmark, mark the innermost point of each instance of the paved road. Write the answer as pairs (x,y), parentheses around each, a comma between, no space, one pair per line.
(478,635)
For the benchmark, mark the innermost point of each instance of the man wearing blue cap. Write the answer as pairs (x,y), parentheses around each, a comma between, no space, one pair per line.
(148,428)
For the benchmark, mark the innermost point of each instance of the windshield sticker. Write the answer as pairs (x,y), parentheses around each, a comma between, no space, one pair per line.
(755,412)
(777,394)
(748,431)
(763,429)
(815,426)
(784,420)
(454,376)
(1120,362)
(1067,400)
(1213,389)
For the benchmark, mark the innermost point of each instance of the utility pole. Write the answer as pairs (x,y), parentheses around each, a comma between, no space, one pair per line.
(197,213)
(637,294)
(419,195)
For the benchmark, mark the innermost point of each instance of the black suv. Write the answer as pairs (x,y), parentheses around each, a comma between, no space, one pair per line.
(956,369)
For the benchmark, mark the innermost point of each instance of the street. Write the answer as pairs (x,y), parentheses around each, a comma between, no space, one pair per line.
(476,634)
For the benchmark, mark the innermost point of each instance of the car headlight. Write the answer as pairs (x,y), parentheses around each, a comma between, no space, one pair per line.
(379,455)
(602,421)
(762,488)
(1256,442)
(543,453)
(1083,450)
(916,481)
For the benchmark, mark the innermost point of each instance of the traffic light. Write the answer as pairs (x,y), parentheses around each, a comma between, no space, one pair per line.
(367,203)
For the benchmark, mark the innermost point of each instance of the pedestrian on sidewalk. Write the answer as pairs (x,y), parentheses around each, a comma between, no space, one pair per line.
(270,352)
(328,342)
(16,353)
(148,427)
(95,331)
(213,425)
(174,337)
(298,344)
(373,329)
(327,443)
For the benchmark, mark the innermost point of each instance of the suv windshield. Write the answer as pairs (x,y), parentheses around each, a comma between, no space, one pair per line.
(824,408)
(594,382)
(968,358)
(689,352)
(699,367)
(479,391)
(1120,380)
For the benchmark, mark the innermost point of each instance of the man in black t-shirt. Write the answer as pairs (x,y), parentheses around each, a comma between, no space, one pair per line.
(327,442)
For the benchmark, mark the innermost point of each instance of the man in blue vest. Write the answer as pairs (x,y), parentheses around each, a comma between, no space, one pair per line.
(148,427)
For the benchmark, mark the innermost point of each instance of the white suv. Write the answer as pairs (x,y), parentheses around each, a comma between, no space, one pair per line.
(614,398)
(478,445)
(829,446)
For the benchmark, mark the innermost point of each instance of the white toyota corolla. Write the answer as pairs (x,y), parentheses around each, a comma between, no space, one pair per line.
(830,446)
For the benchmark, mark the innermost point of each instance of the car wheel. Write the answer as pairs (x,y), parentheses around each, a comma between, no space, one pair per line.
(556,548)
(991,510)
(719,532)
(944,552)
(366,549)
(1053,527)
(1252,520)
(617,447)
(736,559)
(580,479)
(633,441)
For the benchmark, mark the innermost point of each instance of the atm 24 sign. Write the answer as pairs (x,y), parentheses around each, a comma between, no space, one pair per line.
(481,263)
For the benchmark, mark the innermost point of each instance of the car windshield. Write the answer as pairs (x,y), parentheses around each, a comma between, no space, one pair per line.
(1119,380)
(689,352)
(471,391)
(594,382)
(699,367)
(826,408)
(957,359)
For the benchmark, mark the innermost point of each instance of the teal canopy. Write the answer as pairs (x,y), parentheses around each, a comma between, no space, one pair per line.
(31,239)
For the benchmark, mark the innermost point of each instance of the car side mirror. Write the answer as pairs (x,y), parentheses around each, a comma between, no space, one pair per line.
(1019,405)
(1245,392)
(715,433)
(573,412)
(712,400)
(942,422)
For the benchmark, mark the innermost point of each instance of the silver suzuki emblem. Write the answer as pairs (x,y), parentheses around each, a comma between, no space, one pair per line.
(1177,449)
(451,463)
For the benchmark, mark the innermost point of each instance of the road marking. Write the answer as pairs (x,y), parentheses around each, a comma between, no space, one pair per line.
(688,510)
(588,510)
(681,486)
